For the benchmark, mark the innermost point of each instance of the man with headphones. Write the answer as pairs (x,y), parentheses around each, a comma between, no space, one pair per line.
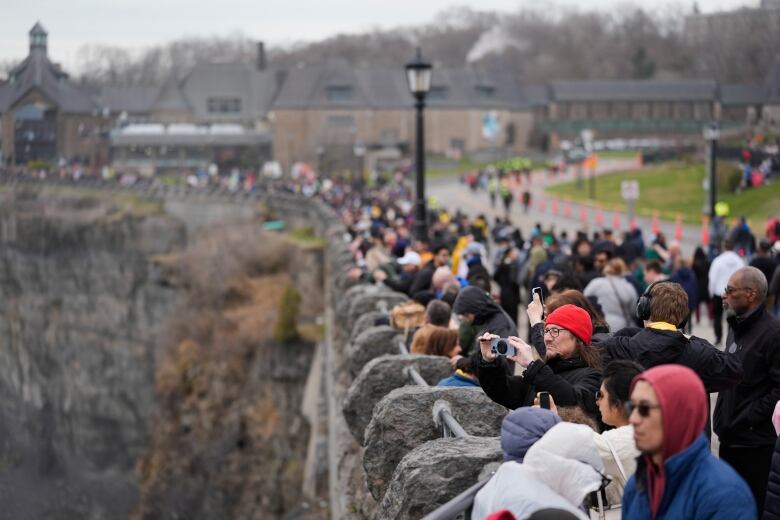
(663,308)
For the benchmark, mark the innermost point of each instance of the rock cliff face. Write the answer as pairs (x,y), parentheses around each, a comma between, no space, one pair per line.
(139,374)
(80,308)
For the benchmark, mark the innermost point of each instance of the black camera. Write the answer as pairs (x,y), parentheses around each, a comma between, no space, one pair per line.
(501,347)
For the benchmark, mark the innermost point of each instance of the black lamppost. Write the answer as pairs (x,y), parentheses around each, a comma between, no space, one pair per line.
(418,73)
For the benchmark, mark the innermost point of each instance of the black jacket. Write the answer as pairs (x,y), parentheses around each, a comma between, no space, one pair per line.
(570,382)
(772,500)
(423,280)
(488,316)
(743,414)
(652,347)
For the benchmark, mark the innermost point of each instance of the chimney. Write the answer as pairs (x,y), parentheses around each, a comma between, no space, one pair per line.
(261,56)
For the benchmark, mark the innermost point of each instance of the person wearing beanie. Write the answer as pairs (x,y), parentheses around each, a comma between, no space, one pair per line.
(570,370)
(677,476)
(521,428)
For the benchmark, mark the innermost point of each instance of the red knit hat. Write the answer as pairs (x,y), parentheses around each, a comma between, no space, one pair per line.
(574,319)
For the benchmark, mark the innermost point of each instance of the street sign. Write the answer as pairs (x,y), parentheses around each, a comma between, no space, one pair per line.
(711,133)
(629,190)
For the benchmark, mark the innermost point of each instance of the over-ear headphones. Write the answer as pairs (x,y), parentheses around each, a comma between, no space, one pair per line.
(643,304)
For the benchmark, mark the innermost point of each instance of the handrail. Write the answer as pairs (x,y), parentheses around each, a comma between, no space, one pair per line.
(460,504)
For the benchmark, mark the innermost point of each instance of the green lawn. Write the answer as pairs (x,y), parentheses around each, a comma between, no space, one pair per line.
(467,165)
(617,154)
(673,188)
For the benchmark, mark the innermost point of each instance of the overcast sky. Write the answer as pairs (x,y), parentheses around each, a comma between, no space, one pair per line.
(136,24)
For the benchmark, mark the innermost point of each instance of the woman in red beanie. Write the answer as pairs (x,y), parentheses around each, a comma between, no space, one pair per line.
(570,371)
(677,476)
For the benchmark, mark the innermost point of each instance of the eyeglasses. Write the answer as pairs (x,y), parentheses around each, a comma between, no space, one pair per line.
(731,290)
(553,331)
(643,409)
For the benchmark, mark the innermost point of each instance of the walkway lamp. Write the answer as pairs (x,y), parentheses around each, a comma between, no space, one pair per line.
(418,74)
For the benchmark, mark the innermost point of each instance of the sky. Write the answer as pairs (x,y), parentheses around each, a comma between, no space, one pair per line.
(137,24)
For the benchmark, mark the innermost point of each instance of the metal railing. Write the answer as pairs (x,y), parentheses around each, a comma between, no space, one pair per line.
(442,414)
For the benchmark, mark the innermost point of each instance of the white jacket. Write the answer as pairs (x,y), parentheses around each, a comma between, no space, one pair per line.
(558,471)
(721,269)
(622,441)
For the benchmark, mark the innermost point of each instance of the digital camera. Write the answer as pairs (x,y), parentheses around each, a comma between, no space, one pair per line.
(501,347)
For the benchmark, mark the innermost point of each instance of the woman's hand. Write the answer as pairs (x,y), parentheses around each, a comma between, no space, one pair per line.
(484,346)
(524,354)
(553,408)
(535,310)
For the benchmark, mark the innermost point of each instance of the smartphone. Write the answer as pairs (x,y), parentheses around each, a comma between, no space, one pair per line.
(544,400)
(537,290)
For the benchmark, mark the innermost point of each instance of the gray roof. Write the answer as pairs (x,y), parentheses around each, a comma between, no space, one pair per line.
(36,71)
(536,95)
(136,99)
(170,97)
(386,88)
(695,90)
(255,88)
(773,82)
(742,94)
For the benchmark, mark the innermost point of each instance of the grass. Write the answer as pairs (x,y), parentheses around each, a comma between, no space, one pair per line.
(466,165)
(617,154)
(673,188)
(306,236)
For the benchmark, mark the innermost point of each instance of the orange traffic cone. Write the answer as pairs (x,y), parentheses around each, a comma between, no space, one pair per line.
(583,213)
(616,220)
(599,216)
(542,204)
(655,226)
(567,209)
(555,206)
(705,230)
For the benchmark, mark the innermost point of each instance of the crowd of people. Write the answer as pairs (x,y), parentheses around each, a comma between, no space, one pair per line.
(609,391)
(606,348)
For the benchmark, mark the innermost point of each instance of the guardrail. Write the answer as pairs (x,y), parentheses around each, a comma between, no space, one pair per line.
(442,414)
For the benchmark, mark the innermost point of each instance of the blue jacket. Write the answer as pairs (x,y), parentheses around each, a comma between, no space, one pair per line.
(772,501)
(458,380)
(698,485)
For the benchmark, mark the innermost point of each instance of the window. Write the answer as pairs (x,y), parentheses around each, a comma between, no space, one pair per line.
(339,93)
(486,91)
(438,92)
(218,105)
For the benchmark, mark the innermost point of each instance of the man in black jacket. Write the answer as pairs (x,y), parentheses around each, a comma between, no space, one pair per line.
(664,308)
(423,280)
(743,414)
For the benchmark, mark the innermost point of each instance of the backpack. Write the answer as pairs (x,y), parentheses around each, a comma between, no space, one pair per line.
(407,316)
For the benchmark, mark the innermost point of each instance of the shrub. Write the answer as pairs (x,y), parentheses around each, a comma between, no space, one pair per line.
(286,330)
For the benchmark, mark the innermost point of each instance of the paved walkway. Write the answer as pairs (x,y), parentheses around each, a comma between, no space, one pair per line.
(549,210)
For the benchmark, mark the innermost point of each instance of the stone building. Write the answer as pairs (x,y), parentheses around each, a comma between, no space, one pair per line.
(325,114)
(44,114)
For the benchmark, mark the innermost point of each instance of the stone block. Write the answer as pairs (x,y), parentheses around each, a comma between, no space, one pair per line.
(379,377)
(370,344)
(434,473)
(403,420)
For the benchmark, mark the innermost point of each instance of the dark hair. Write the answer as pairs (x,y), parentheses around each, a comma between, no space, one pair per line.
(438,247)
(467,364)
(441,342)
(438,313)
(575,297)
(590,355)
(654,265)
(617,378)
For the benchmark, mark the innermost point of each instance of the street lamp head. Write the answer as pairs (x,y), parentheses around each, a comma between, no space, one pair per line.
(418,74)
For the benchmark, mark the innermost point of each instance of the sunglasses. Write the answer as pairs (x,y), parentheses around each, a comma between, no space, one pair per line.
(643,409)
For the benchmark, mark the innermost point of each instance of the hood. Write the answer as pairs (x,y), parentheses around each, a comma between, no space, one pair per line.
(522,428)
(475,301)
(566,459)
(683,402)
